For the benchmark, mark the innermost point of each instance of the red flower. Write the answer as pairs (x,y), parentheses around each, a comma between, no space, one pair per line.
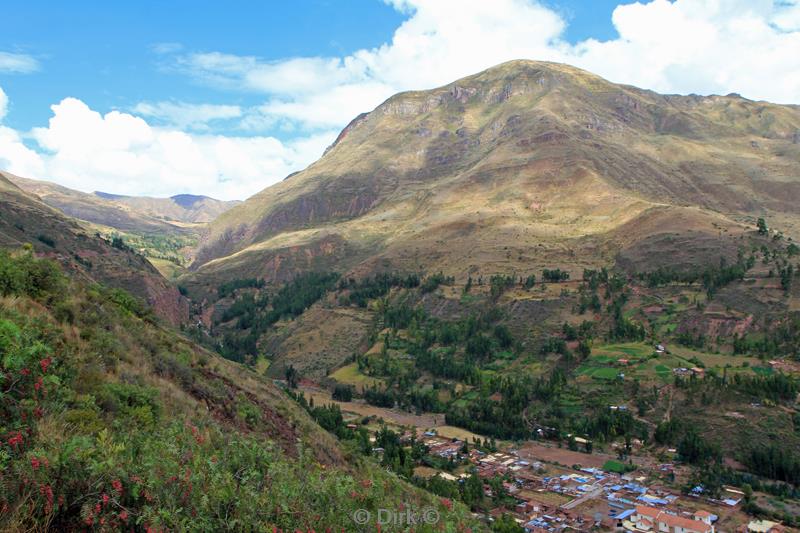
(106,499)
(447,503)
(45,364)
(47,492)
(196,434)
(38,384)
(117,484)
(25,372)
(15,440)
(123,516)
(35,464)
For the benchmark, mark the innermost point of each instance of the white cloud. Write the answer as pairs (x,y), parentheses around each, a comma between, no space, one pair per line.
(685,46)
(19,63)
(15,157)
(3,104)
(187,116)
(166,48)
(121,153)
(441,41)
(681,46)
(788,16)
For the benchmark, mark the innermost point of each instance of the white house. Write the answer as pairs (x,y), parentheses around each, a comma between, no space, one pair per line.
(660,521)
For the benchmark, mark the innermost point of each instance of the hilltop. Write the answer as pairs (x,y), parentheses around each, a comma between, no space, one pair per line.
(524,165)
(189,208)
(92,208)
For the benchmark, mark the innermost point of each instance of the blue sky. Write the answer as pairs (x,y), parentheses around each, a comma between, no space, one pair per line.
(224,98)
(109,57)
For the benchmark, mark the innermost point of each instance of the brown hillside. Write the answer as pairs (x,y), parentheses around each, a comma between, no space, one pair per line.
(526,164)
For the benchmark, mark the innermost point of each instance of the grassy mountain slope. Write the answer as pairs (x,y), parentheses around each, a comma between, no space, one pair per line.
(127,213)
(187,208)
(110,422)
(522,165)
(93,208)
(26,219)
(165,230)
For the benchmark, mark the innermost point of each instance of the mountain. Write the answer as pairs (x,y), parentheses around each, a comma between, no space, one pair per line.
(127,213)
(93,208)
(179,208)
(165,230)
(25,219)
(111,422)
(534,253)
(525,165)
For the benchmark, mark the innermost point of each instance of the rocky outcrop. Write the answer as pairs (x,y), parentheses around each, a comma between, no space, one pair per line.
(350,127)
(325,205)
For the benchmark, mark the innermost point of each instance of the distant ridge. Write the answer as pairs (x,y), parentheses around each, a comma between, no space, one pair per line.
(26,219)
(109,196)
(187,201)
(191,208)
(127,213)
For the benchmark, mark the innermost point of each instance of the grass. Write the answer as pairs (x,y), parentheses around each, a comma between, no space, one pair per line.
(452,432)
(350,375)
(601,365)
(605,373)
(614,466)
(628,350)
(261,366)
(599,372)
(167,268)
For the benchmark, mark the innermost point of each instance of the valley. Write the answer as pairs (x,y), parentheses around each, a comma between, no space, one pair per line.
(530,300)
(165,230)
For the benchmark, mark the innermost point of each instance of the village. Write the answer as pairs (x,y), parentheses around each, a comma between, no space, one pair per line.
(551,497)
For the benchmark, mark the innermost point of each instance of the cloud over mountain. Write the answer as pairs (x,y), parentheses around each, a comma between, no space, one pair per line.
(685,46)
(122,153)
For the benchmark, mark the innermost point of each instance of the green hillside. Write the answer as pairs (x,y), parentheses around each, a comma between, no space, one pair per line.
(111,422)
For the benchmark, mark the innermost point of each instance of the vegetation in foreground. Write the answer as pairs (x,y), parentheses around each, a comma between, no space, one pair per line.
(110,422)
